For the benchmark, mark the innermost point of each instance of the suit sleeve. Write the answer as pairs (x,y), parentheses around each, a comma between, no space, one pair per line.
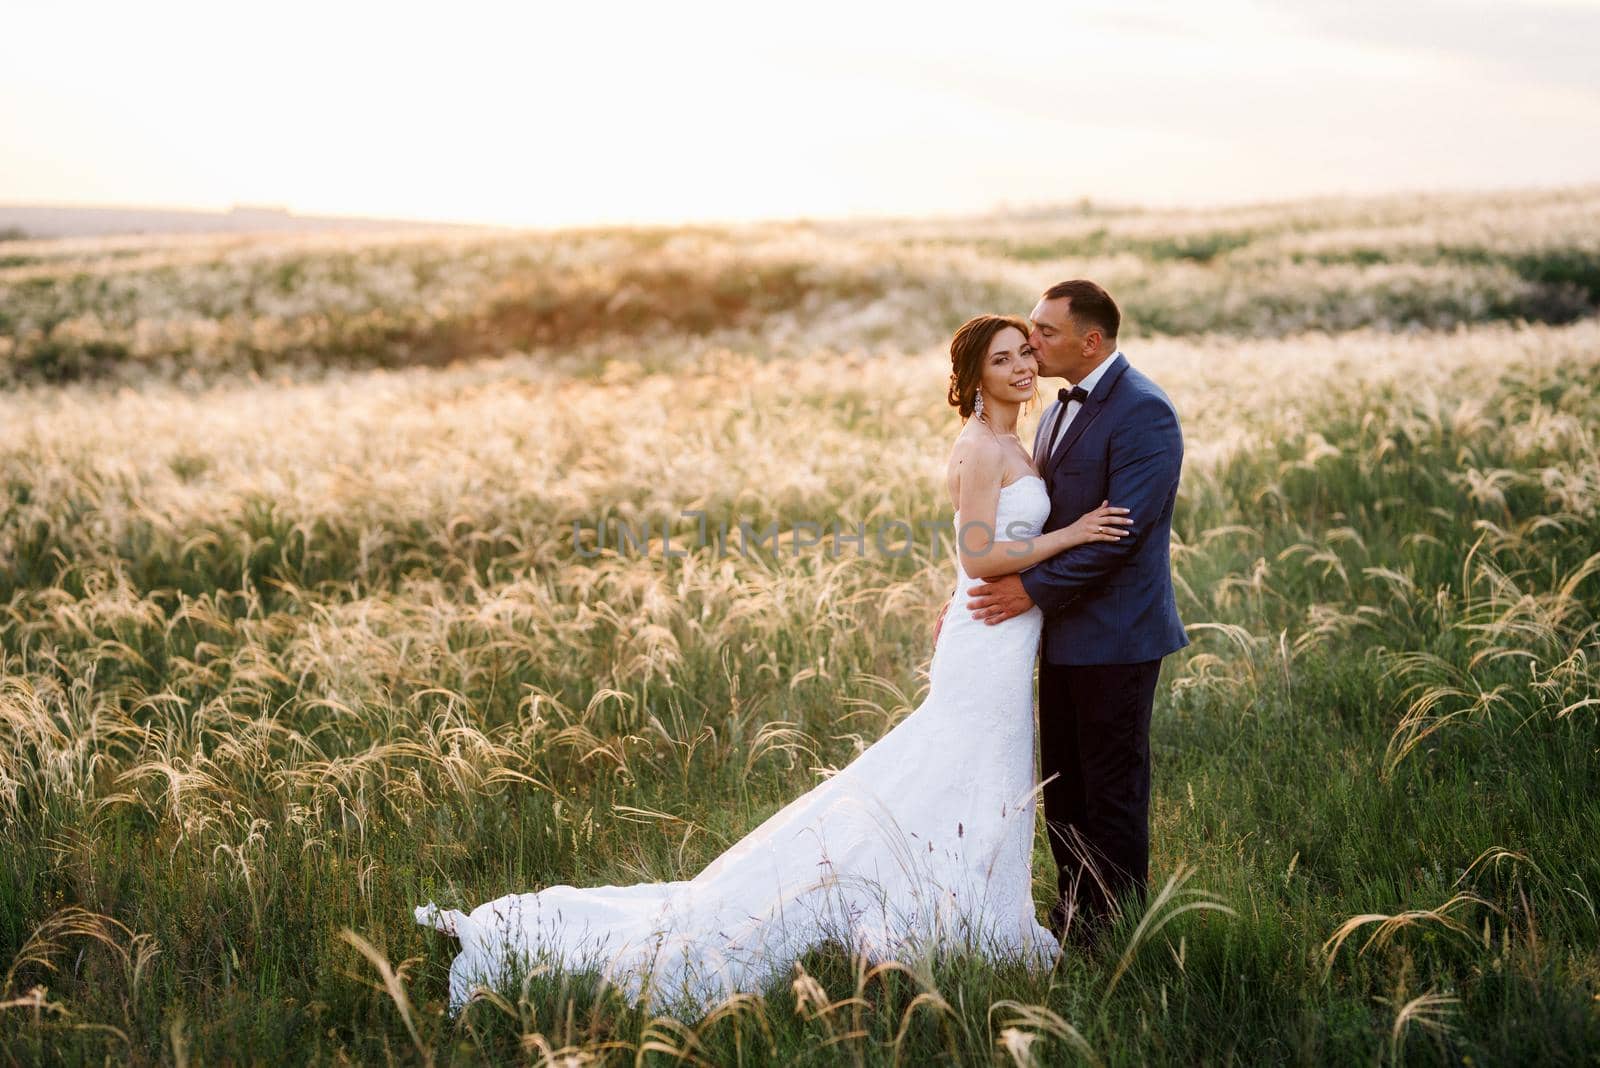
(1145,455)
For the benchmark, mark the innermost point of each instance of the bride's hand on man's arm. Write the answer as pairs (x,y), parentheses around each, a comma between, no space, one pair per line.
(1104,523)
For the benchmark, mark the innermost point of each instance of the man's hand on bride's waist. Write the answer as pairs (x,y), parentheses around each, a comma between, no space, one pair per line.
(999,599)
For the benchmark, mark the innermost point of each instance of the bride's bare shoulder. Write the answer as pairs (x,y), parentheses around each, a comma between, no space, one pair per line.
(975,452)
(976,442)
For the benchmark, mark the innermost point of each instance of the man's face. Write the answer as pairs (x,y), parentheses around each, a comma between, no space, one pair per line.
(1058,347)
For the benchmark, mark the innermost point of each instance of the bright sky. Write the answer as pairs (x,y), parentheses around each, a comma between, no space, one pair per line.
(578,112)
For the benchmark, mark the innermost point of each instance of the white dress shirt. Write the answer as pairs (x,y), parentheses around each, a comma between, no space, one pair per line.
(1090,380)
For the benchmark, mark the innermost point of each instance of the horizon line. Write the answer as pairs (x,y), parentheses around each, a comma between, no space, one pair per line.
(1000,210)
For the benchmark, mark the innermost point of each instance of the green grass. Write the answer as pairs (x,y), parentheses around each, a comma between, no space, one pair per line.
(1271,783)
(239,742)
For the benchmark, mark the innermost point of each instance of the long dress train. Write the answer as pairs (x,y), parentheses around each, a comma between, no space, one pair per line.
(923,842)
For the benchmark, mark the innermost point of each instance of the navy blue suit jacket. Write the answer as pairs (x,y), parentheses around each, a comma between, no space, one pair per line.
(1112,602)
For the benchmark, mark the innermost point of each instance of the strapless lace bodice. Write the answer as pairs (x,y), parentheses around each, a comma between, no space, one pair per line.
(1020,512)
(972,656)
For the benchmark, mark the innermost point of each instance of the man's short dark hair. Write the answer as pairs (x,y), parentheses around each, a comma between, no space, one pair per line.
(1089,305)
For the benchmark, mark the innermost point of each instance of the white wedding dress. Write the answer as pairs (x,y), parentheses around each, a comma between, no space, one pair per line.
(923,842)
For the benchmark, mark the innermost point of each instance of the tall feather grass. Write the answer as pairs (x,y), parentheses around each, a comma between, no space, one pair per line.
(282,656)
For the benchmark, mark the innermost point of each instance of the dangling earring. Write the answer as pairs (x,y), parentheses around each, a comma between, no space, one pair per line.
(977,405)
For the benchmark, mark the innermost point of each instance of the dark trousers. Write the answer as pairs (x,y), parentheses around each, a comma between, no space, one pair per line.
(1094,736)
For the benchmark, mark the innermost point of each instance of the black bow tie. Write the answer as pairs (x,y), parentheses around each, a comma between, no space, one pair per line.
(1076,393)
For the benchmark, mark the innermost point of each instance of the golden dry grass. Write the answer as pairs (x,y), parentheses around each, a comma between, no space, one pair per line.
(295,633)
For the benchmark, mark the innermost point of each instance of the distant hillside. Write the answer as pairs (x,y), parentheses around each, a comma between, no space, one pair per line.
(217,305)
(50,220)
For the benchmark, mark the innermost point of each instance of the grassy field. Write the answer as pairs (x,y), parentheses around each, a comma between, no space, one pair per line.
(296,632)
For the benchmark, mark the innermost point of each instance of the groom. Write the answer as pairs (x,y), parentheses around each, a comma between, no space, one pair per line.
(1110,614)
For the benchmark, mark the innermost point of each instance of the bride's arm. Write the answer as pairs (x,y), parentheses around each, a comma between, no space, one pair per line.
(983,554)
(1007,557)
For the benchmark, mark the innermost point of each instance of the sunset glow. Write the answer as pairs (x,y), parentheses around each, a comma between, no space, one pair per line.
(543,114)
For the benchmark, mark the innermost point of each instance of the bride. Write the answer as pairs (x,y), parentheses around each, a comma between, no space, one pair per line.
(922,843)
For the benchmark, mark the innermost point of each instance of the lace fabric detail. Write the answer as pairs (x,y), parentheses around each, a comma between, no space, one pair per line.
(923,842)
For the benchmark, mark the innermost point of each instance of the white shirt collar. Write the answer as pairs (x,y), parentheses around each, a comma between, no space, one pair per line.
(1093,378)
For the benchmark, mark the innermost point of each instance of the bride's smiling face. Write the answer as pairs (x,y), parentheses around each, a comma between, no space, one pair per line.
(1010,370)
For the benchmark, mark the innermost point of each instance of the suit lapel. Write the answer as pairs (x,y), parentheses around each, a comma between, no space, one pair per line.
(1044,432)
(1089,412)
